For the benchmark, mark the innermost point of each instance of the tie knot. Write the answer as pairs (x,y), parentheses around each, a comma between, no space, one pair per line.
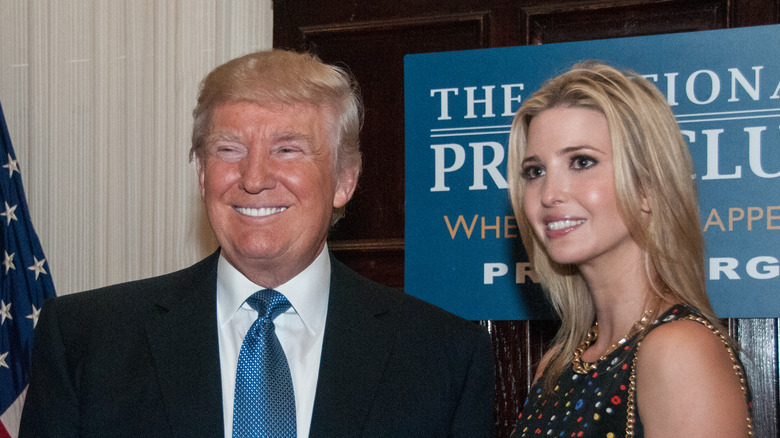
(268,303)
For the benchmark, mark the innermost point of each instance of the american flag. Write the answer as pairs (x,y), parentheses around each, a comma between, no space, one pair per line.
(26,283)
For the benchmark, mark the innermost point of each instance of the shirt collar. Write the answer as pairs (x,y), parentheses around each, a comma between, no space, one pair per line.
(307,292)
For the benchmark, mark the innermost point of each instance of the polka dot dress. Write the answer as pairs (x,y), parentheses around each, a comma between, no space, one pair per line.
(588,405)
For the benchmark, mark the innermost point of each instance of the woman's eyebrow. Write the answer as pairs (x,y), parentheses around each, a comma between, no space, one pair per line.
(531,159)
(577,148)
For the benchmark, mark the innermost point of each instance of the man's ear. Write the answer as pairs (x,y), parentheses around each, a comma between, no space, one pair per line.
(200,168)
(345,186)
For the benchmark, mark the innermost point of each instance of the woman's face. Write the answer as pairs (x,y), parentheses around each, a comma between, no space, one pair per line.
(569,195)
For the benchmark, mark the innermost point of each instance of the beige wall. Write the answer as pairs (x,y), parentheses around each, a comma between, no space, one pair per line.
(98,95)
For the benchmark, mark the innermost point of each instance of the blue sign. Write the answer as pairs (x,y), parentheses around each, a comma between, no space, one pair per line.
(463,252)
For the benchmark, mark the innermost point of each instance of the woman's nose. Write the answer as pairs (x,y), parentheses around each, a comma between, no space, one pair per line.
(555,190)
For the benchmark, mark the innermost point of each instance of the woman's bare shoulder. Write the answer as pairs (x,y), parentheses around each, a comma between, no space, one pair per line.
(687,383)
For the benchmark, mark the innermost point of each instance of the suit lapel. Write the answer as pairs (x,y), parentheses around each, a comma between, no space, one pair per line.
(356,347)
(185,350)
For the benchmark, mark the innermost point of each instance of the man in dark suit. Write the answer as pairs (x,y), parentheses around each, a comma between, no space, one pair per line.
(275,141)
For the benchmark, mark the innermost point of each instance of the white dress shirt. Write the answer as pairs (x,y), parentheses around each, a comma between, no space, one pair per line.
(300,331)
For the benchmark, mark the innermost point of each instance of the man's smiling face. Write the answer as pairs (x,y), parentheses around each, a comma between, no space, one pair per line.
(268,184)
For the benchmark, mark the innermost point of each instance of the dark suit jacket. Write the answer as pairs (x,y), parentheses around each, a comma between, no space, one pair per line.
(141,359)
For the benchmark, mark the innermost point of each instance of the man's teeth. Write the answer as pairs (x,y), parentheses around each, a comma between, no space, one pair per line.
(260,212)
(559,225)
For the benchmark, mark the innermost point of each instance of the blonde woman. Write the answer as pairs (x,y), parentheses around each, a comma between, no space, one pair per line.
(602,185)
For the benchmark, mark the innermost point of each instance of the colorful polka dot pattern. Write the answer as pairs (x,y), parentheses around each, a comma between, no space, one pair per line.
(587,405)
(264,402)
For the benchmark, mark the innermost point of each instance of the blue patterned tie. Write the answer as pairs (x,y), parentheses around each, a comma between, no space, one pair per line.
(264,402)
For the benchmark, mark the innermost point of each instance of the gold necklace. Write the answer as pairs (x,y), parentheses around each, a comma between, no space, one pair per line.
(581,367)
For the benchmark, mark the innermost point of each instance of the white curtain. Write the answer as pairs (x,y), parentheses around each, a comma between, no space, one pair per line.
(98,96)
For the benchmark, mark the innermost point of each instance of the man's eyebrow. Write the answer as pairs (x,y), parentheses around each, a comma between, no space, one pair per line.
(221,136)
(281,136)
(292,136)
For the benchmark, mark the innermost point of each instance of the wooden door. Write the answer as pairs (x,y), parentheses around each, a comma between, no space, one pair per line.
(372,36)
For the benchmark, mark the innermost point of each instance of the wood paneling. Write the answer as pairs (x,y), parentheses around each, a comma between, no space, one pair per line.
(759,340)
(370,237)
(374,52)
(554,22)
(372,36)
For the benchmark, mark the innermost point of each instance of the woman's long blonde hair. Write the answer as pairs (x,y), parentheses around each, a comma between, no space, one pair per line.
(652,163)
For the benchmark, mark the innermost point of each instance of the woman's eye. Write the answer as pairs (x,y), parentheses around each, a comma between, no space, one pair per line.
(583,162)
(532,172)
